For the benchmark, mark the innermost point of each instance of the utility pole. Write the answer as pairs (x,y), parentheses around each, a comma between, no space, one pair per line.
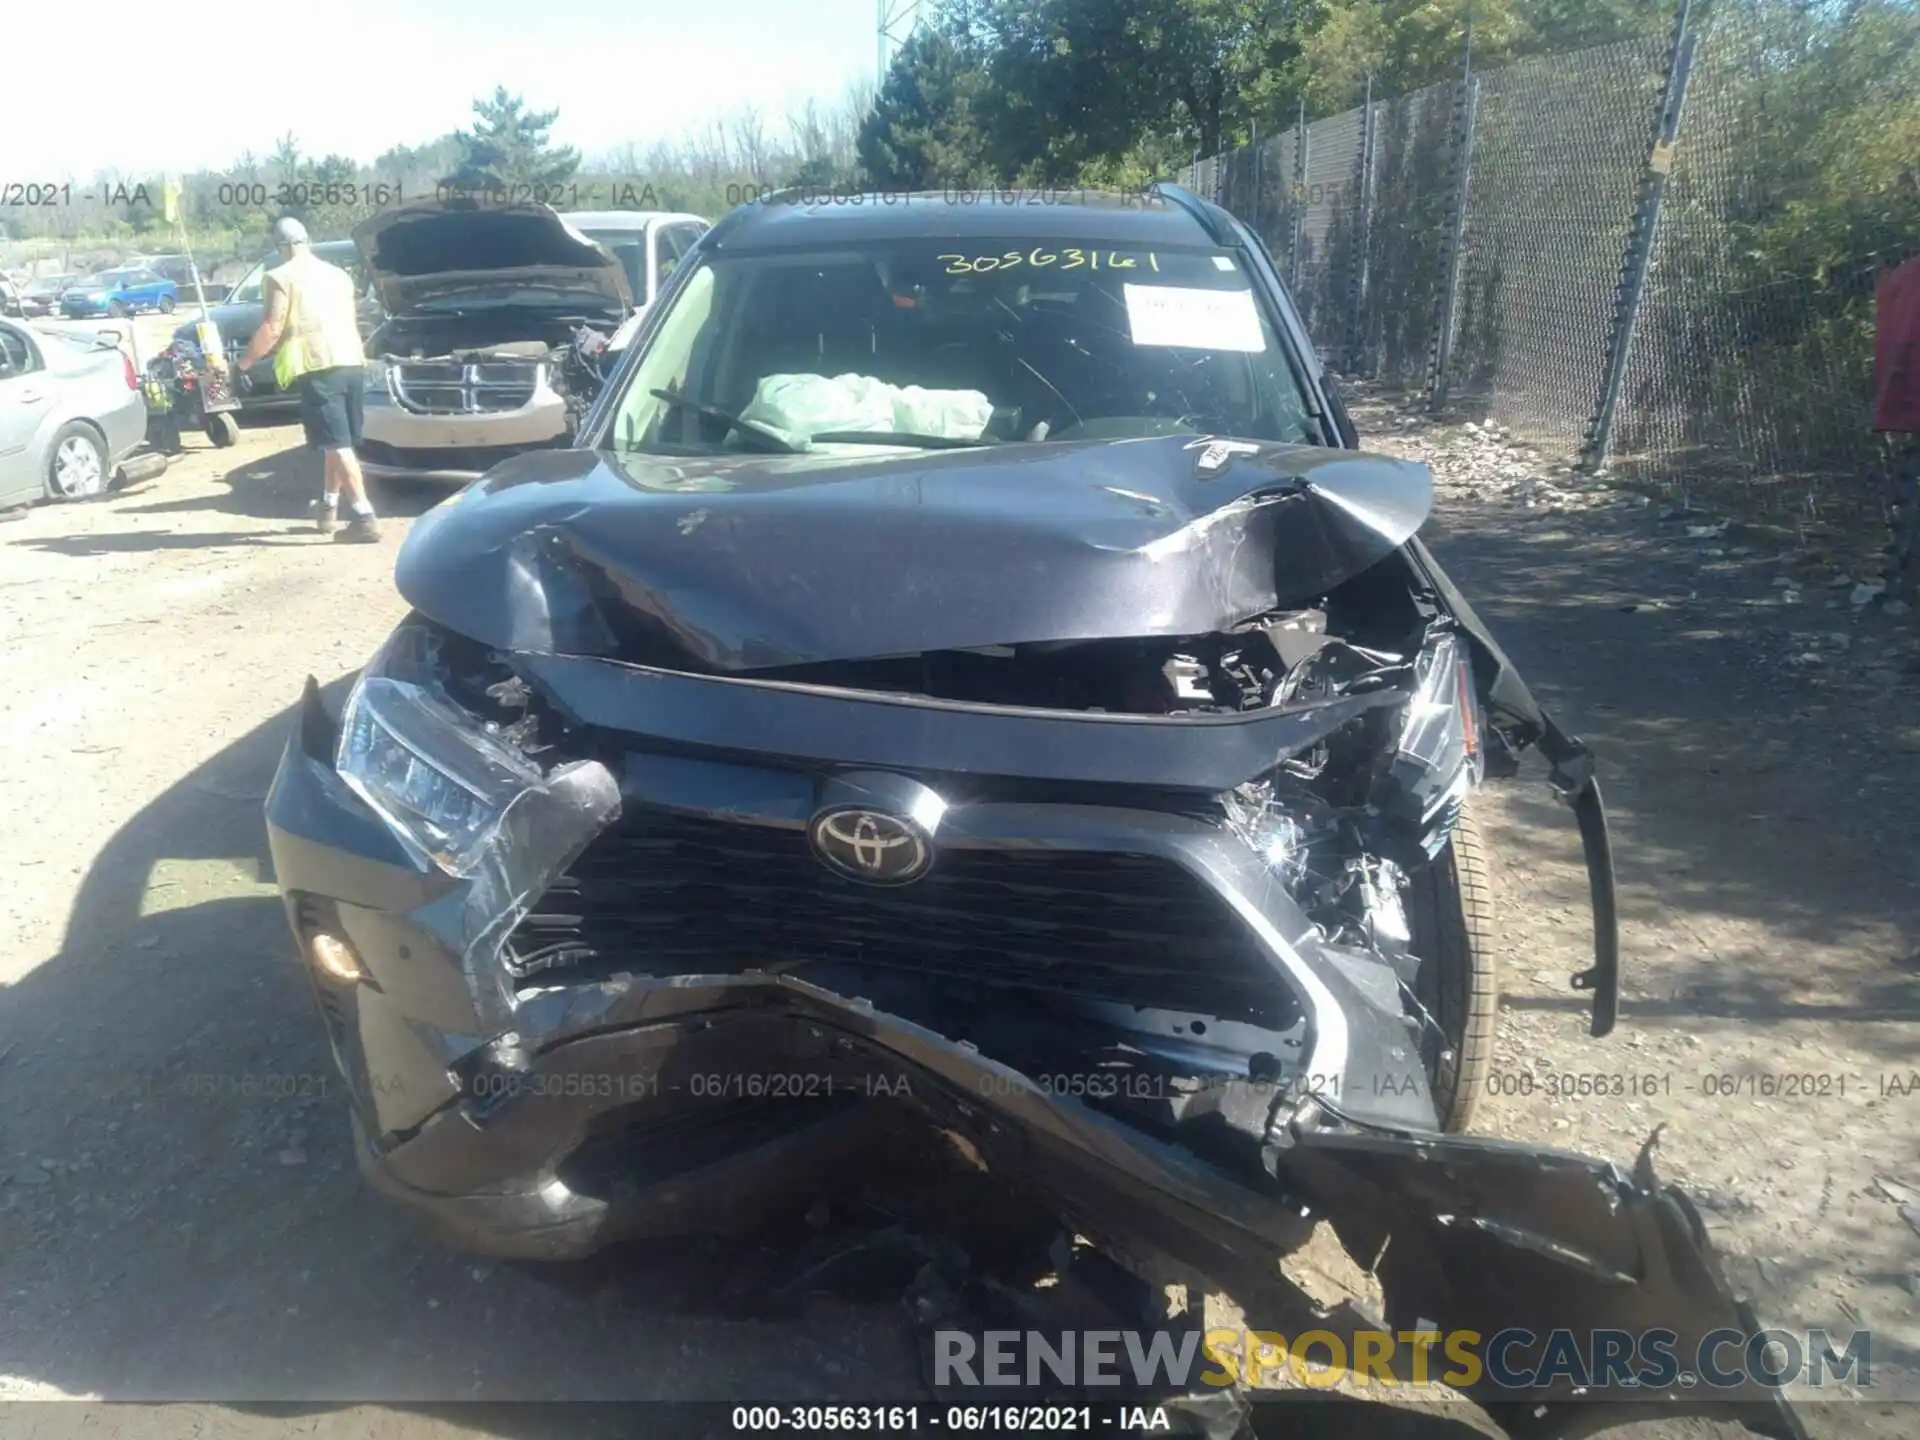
(894,23)
(1632,288)
(1466,113)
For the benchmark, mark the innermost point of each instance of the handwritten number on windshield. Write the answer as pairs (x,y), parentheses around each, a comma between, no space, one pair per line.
(1038,258)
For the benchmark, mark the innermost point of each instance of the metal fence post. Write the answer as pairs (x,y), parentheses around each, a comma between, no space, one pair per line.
(1362,237)
(1633,268)
(1299,202)
(1441,360)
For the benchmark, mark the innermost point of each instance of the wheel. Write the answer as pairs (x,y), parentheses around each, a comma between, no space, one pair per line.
(1450,908)
(117,310)
(77,468)
(223,429)
(166,304)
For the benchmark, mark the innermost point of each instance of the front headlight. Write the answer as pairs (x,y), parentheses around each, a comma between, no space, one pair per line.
(376,389)
(1439,756)
(440,781)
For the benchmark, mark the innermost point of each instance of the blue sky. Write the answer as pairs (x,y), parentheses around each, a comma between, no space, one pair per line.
(357,76)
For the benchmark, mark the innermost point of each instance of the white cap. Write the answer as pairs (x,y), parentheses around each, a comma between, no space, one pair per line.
(289,231)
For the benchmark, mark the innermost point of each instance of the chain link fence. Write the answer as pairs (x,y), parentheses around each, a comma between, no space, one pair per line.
(1752,386)
(1558,148)
(1597,248)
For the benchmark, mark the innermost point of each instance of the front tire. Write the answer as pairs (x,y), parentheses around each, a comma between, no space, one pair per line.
(77,467)
(1450,907)
(117,310)
(166,304)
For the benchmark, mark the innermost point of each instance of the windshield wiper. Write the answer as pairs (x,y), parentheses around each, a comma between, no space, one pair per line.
(714,412)
(899,437)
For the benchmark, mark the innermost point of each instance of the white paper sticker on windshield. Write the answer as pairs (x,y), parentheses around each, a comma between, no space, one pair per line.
(1194,319)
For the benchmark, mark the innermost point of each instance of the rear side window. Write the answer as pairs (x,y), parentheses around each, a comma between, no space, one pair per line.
(16,354)
(629,247)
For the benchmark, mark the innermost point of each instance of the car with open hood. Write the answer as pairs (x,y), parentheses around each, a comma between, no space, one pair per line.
(501,320)
(966,675)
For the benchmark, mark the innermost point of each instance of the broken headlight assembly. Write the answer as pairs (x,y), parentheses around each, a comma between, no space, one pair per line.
(1439,757)
(442,782)
(1347,818)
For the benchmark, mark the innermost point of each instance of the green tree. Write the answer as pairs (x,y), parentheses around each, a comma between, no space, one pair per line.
(508,146)
(1405,44)
(921,130)
(286,158)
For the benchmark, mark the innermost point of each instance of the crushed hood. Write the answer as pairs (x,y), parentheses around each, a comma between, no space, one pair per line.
(437,249)
(733,563)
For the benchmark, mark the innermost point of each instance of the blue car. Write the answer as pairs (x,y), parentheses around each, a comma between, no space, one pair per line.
(120,292)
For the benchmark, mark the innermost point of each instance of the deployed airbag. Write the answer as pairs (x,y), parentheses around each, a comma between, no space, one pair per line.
(799,407)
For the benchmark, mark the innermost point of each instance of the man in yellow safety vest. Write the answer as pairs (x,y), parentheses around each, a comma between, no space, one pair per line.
(312,331)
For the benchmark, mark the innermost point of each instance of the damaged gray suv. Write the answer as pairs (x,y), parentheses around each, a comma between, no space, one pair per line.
(966,676)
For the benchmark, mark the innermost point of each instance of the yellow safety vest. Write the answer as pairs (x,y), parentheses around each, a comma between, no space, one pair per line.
(322,327)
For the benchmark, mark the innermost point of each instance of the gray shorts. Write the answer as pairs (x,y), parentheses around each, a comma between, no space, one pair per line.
(332,405)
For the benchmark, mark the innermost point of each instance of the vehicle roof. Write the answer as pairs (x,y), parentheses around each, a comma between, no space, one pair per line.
(322,248)
(1057,215)
(623,219)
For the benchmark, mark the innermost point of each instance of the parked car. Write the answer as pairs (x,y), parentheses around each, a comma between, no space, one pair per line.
(649,243)
(240,314)
(501,318)
(178,268)
(9,297)
(965,674)
(42,296)
(71,416)
(120,292)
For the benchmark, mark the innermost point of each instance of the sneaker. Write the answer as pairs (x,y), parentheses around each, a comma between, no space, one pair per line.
(361,530)
(324,516)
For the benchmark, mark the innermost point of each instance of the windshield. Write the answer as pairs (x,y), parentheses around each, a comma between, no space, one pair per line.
(247,292)
(630,248)
(107,279)
(1006,342)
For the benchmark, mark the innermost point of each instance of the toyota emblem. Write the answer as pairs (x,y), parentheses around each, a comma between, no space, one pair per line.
(869,846)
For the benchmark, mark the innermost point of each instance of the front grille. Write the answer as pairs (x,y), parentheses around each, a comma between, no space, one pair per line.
(447,387)
(663,894)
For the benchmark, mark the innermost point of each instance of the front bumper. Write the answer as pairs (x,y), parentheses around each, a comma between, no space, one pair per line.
(146,465)
(438,465)
(410,444)
(546,1114)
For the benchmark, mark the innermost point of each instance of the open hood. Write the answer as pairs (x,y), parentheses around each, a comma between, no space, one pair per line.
(436,249)
(734,563)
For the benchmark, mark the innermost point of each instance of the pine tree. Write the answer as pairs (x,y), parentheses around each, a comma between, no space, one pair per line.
(508,147)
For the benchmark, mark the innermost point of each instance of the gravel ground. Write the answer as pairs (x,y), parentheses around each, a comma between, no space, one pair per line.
(165,1235)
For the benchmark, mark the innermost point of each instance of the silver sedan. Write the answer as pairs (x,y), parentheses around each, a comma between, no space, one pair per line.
(71,412)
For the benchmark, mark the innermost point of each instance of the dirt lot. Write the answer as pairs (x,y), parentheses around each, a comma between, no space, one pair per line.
(162,1236)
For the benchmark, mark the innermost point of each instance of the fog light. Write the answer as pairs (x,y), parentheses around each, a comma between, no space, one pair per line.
(334,959)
